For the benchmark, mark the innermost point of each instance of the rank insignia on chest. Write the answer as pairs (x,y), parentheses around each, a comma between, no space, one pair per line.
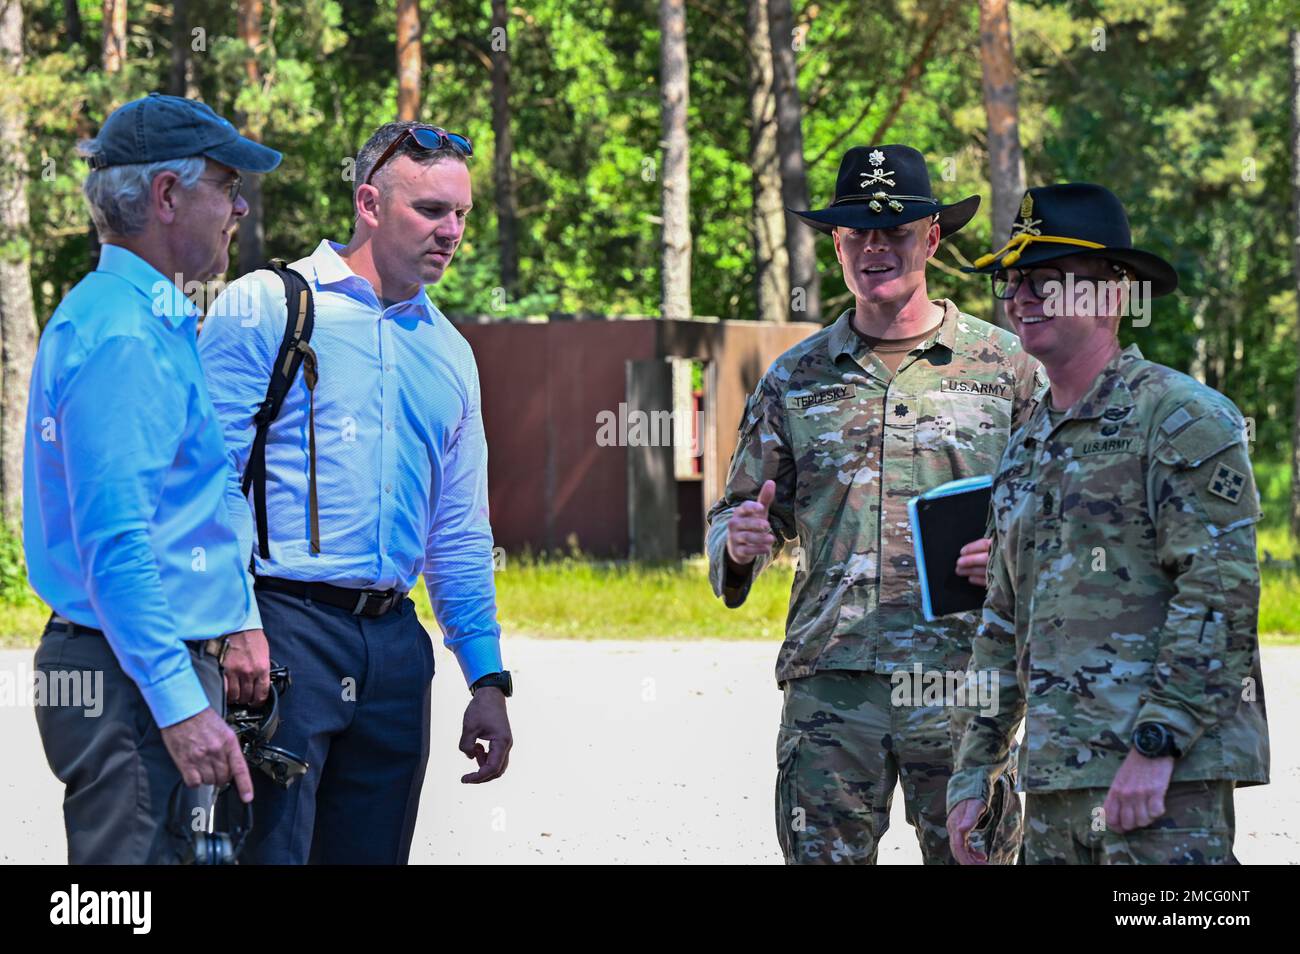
(1227,483)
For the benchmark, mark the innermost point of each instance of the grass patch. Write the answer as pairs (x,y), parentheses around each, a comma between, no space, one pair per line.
(577,598)
(581,599)
(1279,606)
(22,624)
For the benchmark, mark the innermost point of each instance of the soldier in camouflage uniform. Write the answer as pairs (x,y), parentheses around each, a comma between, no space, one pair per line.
(842,430)
(1123,585)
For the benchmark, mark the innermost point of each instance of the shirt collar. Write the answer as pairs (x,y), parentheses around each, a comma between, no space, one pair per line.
(1109,392)
(844,340)
(330,271)
(166,300)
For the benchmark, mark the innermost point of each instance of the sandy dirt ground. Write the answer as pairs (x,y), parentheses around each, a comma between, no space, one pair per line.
(642,752)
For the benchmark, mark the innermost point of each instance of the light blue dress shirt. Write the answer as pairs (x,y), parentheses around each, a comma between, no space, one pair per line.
(401,458)
(125,520)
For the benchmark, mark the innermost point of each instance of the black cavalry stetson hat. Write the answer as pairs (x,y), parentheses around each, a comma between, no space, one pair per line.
(880,187)
(1076,218)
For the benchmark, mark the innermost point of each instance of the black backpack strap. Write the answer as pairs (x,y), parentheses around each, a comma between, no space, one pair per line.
(295,352)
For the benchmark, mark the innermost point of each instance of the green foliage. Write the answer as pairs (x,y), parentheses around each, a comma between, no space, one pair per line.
(14,590)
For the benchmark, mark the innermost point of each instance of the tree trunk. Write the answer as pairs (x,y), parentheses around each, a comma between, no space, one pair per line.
(178,78)
(113,61)
(72,20)
(252,229)
(771,262)
(1295,249)
(1006,164)
(674,93)
(114,35)
(17,312)
(800,241)
(503,179)
(408,60)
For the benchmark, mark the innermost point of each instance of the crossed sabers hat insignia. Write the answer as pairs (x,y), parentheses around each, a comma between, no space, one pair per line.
(874,176)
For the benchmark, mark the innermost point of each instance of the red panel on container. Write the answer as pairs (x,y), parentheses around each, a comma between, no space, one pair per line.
(588,375)
(512,378)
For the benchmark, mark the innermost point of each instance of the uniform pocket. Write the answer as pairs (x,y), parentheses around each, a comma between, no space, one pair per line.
(998,833)
(1171,846)
(791,818)
(969,427)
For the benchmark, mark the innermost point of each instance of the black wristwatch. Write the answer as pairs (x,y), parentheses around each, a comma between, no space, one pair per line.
(497,680)
(1154,740)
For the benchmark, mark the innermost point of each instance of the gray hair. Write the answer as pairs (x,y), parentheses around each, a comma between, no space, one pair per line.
(119,195)
(383,137)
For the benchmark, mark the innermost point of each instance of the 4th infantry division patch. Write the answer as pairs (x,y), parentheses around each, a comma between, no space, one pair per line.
(1227,483)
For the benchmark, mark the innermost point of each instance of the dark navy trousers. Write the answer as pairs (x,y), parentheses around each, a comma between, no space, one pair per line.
(358,711)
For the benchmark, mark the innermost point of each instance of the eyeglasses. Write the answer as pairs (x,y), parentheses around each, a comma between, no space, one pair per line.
(1007,283)
(232,185)
(427,138)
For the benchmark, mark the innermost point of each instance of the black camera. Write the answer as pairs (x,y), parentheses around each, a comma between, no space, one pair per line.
(255,726)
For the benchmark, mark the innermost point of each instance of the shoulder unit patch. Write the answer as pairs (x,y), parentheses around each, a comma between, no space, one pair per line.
(1227,483)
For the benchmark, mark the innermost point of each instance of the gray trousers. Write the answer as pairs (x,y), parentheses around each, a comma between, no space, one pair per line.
(110,755)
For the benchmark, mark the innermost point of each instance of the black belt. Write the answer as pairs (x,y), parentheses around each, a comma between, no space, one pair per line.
(212,647)
(369,603)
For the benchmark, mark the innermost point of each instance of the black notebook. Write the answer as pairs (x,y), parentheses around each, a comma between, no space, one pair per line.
(944,520)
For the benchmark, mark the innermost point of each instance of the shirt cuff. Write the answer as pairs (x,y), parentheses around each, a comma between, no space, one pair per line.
(254,618)
(1185,728)
(969,783)
(176,698)
(736,583)
(733,587)
(479,656)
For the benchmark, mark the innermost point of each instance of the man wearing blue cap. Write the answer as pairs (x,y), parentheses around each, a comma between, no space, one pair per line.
(125,525)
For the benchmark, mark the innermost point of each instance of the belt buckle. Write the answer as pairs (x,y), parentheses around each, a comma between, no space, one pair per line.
(387,600)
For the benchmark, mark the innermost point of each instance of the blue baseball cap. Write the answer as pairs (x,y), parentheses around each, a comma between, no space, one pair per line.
(157,128)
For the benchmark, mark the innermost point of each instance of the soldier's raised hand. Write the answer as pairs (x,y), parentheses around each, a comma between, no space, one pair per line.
(749,532)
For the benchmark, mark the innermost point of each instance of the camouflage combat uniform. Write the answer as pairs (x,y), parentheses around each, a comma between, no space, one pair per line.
(848,444)
(1123,588)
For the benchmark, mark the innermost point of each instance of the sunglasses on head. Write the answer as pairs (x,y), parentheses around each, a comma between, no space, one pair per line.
(427,138)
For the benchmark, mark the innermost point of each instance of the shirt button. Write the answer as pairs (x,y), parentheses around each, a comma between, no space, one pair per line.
(388,366)
(388,426)
(388,488)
